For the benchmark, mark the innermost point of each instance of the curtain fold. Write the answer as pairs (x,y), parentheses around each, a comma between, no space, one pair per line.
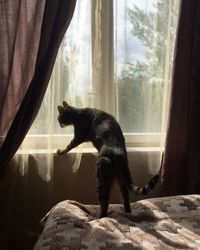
(54,19)
(181,163)
(144,36)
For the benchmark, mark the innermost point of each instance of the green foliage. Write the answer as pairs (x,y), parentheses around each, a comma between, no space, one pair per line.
(141,84)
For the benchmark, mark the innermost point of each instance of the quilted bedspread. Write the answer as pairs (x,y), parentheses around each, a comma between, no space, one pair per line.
(157,223)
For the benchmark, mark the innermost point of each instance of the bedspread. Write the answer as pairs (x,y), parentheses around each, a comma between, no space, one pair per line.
(156,223)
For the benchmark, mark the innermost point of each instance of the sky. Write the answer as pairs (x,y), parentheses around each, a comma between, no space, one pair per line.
(79,29)
(127,48)
(134,49)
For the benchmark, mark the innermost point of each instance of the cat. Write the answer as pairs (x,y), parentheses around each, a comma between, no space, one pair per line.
(103,130)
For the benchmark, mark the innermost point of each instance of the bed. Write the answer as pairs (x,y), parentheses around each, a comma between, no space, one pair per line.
(155,223)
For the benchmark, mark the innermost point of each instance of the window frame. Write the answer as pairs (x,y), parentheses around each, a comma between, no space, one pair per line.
(105,83)
(133,140)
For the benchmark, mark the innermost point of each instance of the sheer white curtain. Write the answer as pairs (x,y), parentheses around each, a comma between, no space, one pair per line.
(117,56)
(70,81)
(145,32)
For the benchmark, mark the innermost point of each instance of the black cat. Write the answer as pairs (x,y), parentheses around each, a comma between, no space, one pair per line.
(112,165)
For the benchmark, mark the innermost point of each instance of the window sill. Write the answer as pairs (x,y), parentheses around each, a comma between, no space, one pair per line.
(88,150)
(134,141)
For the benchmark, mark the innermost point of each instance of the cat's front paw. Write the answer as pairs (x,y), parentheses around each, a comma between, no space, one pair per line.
(60,151)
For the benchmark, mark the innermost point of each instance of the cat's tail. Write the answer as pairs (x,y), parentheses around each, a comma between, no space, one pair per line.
(145,189)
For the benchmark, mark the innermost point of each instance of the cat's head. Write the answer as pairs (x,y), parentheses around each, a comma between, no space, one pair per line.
(65,116)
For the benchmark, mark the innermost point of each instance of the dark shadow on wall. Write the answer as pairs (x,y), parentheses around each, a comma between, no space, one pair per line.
(25,197)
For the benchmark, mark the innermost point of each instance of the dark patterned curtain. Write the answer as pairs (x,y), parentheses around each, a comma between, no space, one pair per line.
(181,162)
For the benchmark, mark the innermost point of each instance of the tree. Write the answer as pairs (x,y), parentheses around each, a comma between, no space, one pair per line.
(141,84)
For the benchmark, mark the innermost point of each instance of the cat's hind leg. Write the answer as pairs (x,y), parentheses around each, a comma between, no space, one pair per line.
(106,177)
(124,193)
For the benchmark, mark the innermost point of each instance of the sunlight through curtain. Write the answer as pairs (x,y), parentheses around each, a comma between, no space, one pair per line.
(116,56)
(145,33)
(70,81)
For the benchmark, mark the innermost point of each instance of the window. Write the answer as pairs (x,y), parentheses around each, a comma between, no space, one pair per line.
(116,56)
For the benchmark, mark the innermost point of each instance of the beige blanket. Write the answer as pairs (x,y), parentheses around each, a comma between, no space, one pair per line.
(158,223)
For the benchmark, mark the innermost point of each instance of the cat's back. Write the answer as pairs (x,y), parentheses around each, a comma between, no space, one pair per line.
(105,122)
(97,117)
(106,129)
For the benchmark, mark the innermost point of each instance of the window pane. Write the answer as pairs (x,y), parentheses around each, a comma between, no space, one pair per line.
(71,77)
(144,37)
(144,33)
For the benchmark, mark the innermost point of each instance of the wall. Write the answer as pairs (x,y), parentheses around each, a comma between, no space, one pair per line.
(82,185)
(25,197)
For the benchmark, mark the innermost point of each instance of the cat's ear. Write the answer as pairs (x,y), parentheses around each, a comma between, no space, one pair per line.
(65,105)
(61,110)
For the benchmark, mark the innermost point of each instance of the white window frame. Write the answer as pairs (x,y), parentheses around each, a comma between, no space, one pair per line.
(103,70)
(103,80)
(133,141)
